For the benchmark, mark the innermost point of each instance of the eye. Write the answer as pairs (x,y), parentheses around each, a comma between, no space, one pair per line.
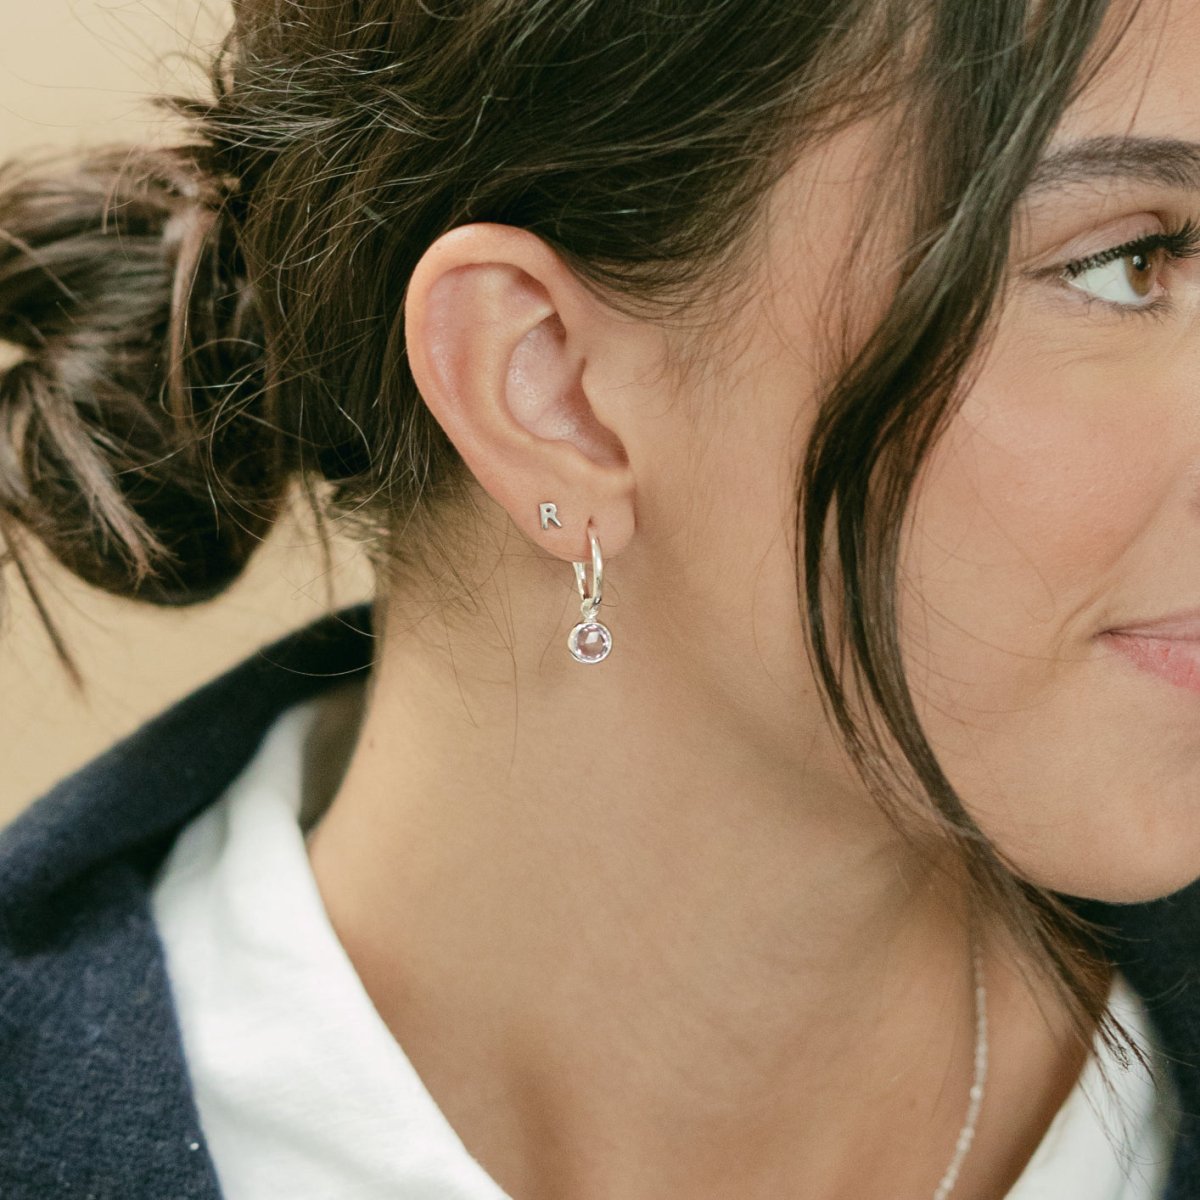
(1132,275)
(1131,280)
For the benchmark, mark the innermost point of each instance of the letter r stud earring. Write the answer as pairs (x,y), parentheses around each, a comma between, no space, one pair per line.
(590,640)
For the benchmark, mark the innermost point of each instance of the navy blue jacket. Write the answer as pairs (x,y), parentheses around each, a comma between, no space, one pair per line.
(95,1099)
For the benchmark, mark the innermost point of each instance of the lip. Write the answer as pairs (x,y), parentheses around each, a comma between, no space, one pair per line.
(1180,625)
(1172,657)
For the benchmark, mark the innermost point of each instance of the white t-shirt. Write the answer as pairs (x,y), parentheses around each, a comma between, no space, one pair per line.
(301,1088)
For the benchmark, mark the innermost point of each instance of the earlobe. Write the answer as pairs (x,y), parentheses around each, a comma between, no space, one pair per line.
(499,333)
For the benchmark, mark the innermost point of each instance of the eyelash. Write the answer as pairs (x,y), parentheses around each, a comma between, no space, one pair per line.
(1180,243)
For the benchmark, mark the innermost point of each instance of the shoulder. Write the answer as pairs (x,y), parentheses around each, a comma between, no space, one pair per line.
(126,805)
(94,1092)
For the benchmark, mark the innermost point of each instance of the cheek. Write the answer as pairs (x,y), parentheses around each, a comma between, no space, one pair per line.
(1018,546)
(1031,502)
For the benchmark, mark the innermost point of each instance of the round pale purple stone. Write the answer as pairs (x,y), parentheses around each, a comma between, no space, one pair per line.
(589,642)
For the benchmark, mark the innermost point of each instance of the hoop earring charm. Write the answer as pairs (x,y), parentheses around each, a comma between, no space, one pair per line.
(590,641)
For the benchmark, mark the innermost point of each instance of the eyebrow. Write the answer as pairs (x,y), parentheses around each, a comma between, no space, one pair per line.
(1168,161)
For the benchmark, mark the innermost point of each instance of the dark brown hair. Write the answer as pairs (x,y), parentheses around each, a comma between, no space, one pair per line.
(206,326)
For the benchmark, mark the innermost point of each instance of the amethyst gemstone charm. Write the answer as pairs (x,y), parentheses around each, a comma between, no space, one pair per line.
(589,642)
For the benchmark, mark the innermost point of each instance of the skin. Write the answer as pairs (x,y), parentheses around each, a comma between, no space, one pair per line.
(637,925)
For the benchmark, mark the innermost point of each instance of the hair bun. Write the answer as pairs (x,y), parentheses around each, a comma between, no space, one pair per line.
(120,283)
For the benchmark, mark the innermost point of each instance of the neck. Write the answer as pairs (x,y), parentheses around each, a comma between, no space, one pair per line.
(631,953)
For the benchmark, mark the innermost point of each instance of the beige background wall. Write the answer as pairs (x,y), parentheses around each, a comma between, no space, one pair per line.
(76,72)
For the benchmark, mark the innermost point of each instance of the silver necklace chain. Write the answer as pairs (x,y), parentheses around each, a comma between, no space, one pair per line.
(967,1135)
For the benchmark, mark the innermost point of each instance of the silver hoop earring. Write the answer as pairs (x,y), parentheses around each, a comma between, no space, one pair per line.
(590,640)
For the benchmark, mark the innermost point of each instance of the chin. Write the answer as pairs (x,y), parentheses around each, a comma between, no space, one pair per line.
(1112,845)
(1132,881)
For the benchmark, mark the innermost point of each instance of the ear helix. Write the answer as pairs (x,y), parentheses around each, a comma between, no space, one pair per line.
(590,641)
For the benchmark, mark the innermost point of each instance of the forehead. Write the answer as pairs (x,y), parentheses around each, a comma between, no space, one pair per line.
(1150,84)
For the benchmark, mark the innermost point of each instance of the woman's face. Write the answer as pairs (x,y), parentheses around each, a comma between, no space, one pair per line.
(1064,499)
(1066,502)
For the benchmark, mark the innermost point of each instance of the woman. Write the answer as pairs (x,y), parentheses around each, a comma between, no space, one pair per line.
(838,845)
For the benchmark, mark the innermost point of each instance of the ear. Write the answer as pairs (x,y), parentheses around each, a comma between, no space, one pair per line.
(505,345)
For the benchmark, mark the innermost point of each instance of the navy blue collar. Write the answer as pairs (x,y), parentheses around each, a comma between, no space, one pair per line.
(95,1099)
